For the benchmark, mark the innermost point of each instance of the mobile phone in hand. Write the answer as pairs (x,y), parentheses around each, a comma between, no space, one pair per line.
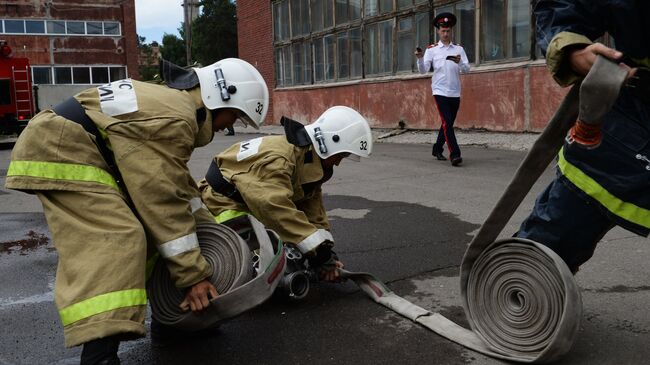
(418,49)
(451,58)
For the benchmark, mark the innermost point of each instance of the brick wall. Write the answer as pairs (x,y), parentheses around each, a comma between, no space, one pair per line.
(255,41)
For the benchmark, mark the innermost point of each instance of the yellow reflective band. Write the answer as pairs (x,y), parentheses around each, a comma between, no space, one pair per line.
(61,171)
(625,210)
(102,303)
(228,215)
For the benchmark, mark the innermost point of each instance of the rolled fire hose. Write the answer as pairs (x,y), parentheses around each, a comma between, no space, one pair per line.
(520,298)
(239,285)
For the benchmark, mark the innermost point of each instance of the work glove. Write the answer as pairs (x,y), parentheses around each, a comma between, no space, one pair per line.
(322,258)
(598,93)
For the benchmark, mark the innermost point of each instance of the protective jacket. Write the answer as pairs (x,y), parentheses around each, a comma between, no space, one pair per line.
(616,174)
(152,131)
(279,183)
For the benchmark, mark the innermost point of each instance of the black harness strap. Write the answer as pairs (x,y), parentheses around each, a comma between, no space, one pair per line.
(73,111)
(215,179)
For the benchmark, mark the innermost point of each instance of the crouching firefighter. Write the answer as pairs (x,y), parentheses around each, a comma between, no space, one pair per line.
(109,166)
(278,180)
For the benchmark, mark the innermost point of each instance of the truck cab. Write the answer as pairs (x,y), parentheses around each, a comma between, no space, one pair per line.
(16,95)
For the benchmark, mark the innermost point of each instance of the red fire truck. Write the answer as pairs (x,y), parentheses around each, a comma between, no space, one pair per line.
(16,97)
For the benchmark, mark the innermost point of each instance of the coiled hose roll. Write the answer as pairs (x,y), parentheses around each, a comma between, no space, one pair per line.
(240,286)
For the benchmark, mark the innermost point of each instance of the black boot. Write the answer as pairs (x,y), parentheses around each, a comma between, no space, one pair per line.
(102,351)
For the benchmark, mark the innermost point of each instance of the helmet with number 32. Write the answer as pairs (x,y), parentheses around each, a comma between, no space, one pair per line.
(341,129)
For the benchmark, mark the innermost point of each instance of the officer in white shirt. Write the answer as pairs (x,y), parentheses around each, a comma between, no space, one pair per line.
(448,61)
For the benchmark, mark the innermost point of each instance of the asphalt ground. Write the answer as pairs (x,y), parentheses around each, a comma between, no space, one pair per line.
(401,215)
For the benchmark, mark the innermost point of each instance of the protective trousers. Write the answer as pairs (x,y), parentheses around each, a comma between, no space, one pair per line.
(448,108)
(100,279)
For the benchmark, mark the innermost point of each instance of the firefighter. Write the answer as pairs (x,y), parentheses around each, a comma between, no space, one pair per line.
(278,180)
(606,185)
(110,169)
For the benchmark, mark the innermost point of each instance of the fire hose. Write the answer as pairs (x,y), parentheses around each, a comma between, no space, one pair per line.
(241,283)
(519,297)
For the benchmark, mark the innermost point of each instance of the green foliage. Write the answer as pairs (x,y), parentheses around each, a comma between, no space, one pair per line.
(214,32)
(173,49)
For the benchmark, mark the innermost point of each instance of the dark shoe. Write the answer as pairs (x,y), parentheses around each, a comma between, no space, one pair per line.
(456,161)
(165,336)
(102,351)
(439,156)
(230,133)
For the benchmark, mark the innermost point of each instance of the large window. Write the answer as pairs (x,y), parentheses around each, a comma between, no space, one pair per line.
(42,75)
(505,29)
(324,41)
(67,27)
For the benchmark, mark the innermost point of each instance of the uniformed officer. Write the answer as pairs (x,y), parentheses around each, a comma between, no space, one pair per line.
(278,180)
(448,60)
(110,168)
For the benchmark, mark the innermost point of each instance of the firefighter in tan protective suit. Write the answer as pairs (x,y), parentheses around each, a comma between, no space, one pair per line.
(110,168)
(278,180)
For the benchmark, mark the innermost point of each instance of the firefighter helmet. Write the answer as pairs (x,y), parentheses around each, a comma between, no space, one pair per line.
(235,83)
(341,129)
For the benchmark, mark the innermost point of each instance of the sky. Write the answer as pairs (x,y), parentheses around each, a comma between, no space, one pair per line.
(154,18)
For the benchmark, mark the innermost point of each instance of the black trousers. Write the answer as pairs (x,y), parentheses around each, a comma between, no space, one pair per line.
(448,108)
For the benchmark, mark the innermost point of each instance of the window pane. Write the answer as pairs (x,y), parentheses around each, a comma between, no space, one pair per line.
(94,27)
(466,28)
(75,27)
(405,44)
(328,12)
(111,28)
(371,8)
(386,6)
(343,55)
(355,53)
(279,82)
(341,11)
(299,24)
(286,59)
(100,75)
(118,73)
(281,25)
(62,75)
(35,26)
(5,92)
(80,75)
(519,28)
(42,75)
(493,16)
(330,57)
(386,46)
(422,30)
(372,49)
(355,9)
(319,54)
(55,27)
(403,4)
(2,29)
(297,52)
(317,15)
(14,26)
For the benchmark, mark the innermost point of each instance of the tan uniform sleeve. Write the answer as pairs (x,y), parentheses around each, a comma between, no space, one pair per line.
(314,209)
(163,192)
(267,190)
(556,57)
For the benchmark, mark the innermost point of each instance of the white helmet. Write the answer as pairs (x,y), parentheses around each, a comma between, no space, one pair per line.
(235,83)
(341,129)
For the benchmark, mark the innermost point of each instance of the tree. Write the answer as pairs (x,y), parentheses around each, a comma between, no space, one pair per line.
(173,49)
(214,32)
(147,65)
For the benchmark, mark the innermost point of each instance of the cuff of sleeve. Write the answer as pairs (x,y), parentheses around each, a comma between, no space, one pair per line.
(314,240)
(188,269)
(556,56)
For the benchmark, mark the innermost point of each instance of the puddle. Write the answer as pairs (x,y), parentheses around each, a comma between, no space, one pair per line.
(32,241)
